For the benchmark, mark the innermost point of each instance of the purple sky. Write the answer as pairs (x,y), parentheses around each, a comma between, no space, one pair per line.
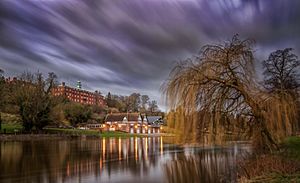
(126,46)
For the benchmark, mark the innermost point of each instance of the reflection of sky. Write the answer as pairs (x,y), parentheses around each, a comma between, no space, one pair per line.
(129,46)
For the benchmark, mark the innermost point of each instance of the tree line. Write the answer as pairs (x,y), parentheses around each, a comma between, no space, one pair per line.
(135,102)
(217,92)
(30,98)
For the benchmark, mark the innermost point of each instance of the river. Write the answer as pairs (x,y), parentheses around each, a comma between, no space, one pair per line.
(147,159)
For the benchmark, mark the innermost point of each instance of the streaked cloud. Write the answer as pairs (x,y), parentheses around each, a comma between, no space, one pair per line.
(123,46)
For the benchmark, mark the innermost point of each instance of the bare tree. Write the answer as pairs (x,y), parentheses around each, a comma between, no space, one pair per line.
(281,76)
(281,71)
(219,81)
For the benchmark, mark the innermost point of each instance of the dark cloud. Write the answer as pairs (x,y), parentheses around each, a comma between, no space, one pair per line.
(130,46)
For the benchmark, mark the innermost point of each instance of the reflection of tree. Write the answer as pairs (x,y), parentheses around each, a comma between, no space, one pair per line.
(61,161)
(34,162)
(103,159)
(204,166)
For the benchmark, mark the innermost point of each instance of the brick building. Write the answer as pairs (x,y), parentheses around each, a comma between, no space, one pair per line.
(10,80)
(79,95)
(131,123)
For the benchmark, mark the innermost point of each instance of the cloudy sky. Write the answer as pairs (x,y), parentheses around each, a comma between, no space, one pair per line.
(126,46)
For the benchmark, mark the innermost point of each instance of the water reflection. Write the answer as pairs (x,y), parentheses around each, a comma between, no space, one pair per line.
(211,165)
(114,160)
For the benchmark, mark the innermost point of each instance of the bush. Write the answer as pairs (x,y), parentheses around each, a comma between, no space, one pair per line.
(77,113)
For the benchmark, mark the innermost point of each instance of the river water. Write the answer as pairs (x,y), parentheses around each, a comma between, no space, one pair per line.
(147,159)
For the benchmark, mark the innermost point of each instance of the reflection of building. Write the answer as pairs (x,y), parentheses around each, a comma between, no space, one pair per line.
(130,122)
(114,158)
(79,95)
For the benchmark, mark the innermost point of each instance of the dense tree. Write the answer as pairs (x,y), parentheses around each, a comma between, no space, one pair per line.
(77,113)
(109,100)
(32,95)
(144,101)
(2,82)
(281,71)
(121,103)
(152,106)
(220,82)
(134,102)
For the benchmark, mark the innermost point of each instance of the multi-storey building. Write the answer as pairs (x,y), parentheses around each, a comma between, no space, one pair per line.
(79,95)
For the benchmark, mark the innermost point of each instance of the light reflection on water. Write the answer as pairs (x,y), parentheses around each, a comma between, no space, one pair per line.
(148,159)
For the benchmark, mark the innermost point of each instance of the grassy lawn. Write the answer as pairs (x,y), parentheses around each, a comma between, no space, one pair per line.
(11,128)
(292,148)
(17,128)
(88,132)
(282,166)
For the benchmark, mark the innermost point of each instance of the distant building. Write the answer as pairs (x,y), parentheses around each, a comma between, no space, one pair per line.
(10,80)
(130,122)
(155,120)
(78,95)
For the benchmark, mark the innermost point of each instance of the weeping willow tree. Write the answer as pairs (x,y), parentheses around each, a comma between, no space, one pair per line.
(220,82)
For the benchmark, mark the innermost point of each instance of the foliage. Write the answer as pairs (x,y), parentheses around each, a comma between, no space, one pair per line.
(135,102)
(32,95)
(8,118)
(109,100)
(281,166)
(2,82)
(11,128)
(77,113)
(57,115)
(144,101)
(153,107)
(291,148)
(220,82)
(89,132)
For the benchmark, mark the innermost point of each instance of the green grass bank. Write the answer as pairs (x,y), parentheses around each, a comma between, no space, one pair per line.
(282,166)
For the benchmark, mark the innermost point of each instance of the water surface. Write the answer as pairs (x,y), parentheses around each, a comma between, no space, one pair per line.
(147,159)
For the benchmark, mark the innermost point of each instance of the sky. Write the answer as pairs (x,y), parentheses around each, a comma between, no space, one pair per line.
(126,46)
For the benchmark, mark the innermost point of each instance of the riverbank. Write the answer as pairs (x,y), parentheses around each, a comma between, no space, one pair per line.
(280,166)
(13,133)
(61,136)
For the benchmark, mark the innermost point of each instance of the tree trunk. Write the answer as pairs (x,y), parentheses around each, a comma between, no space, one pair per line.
(0,121)
(265,135)
(267,138)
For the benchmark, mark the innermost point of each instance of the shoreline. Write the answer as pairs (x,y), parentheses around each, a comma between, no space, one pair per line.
(64,136)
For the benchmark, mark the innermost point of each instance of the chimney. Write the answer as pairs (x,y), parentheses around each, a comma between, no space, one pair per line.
(63,83)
